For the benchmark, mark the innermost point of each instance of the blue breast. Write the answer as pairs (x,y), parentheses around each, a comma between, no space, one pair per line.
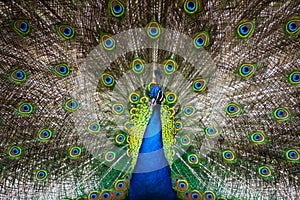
(151,176)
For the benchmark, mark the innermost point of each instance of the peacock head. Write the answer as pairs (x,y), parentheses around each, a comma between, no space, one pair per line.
(156,95)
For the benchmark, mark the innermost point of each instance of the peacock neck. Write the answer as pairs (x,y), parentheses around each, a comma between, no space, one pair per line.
(151,176)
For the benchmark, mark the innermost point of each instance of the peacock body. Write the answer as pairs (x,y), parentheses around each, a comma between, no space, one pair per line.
(150,99)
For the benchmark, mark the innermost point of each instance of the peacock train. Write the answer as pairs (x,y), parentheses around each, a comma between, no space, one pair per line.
(150,100)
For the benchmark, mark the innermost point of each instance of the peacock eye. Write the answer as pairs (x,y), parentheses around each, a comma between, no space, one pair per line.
(18,76)
(294,78)
(75,152)
(171,112)
(93,127)
(137,65)
(110,156)
(199,85)
(247,70)
(258,137)
(178,126)
(264,171)
(15,152)
(120,139)
(133,111)
(191,6)
(41,175)
(144,100)
(61,70)
(107,80)
(228,156)
(170,66)
(117,8)
(120,185)
(293,26)
(105,194)
(44,135)
(25,109)
(292,155)
(193,159)
(171,98)
(209,195)
(201,40)
(211,132)
(245,29)
(176,178)
(195,194)
(118,108)
(188,111)
(21,27)
(65,31)
(94,195)
(181,185)
(127,126)
(185,140)
(134,98)
(281,114)
(127,176)
(107,42)
(185,194)
(118,193)
(233,109)
(153,30)
(71,105)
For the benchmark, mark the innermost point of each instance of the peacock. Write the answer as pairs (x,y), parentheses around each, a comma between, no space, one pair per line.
(149,99)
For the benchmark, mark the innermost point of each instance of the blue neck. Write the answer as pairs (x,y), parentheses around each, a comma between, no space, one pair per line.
(151,176)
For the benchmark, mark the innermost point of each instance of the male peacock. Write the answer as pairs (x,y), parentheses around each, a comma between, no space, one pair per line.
(150,99)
